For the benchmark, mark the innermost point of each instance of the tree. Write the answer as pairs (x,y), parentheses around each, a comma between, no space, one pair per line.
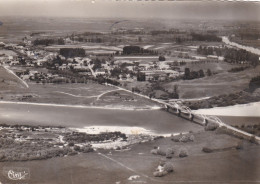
(61,41)
(140,76)
(209,73)
(162,58)
(254,83)
(187,73)
(175,93)
(201,73)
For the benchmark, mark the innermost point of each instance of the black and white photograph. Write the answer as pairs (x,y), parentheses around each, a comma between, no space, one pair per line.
(129,92)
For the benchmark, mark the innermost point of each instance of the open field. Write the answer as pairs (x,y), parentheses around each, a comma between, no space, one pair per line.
(8,81)
(216,67)
(90,94)
(111,166)
(222,83)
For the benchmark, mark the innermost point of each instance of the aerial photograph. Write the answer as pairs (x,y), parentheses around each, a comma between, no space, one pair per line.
(129,91)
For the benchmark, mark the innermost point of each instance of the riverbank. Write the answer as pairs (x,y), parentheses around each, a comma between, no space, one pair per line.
(245,110)
(90,95)
(247,48)
(138,160)
(224,100)
(158,121)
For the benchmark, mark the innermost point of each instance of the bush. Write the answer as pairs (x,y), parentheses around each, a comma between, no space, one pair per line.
(162,58)
(211,126)
(71,144)
(168,167)
(76,148)
(162,162)
(239,145)
(161,152)
(169,153)
(159,174)
(176,138)
(71,153)
(222,130)
(252,139)
(87,149)
(183,153)
(154,151)
(207,150)
(184,138)
(192,138)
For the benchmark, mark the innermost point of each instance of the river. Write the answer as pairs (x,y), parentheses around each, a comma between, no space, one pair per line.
(242,110)
(247,48)
(158,121)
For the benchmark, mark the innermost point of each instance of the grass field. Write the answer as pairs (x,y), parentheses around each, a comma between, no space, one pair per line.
(8,81)
(76,94)
(222,83)
(111,166)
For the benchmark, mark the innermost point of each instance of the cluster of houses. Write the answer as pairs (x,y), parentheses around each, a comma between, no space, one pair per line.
(23,53)
(34,75)
(82,65)
(153,70)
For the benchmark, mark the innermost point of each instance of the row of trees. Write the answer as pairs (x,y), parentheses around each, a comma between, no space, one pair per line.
(238,69)
(102,80)
(209,51)
(72,52)
(231,55)
(48,41)
(205,37)
(128,50)
(189,75)
(236,56)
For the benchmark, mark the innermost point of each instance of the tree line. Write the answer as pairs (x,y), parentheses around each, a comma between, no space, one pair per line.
(72,52)
(49,41)
(231,55)
(189,75)
(128,50)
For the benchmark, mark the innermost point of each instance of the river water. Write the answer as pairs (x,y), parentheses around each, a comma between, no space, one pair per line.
(242,110)
(158,121)
(247,48)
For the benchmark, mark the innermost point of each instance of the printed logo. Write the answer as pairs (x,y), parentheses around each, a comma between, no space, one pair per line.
(16,173)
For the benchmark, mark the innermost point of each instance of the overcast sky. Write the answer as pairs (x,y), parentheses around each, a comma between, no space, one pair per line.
(132,9)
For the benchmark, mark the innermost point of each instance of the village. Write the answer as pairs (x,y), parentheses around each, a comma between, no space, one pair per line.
(127,92)
(161,62)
